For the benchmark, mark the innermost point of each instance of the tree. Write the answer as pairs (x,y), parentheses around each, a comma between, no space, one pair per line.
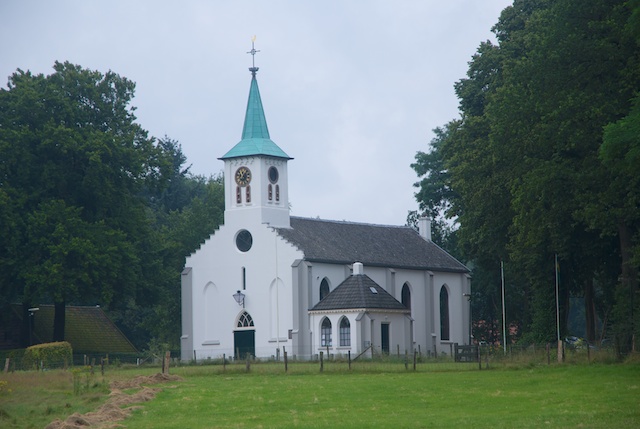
(73,164)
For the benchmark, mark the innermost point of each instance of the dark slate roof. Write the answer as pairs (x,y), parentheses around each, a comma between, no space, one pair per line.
(87,329)
(356,292)
(373,245)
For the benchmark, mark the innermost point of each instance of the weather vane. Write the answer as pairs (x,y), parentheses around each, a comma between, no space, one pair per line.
(253,53)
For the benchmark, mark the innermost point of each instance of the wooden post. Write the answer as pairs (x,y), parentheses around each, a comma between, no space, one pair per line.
(93,363)
(479,356)
(349,354)
(419,351)
(321,361)
(248,364)
(548,354)
(560,352)
(415,358)
(224,362)
(165,362)
(451,349)
(328,355)
(286,364)
(6,365)
(194,356)
(398,347)
(406,359)
(102,366)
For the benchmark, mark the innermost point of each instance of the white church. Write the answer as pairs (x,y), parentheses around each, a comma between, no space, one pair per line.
(266,281)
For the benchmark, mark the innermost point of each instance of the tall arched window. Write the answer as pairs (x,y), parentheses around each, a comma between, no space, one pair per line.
(406,296)
(345,332)
(444,313)
(238,195)
(277,192)
(325,333)
(324,288)
(270,192)
(248,192)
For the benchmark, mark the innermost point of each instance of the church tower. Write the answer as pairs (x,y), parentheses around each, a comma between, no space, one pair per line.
(255,169)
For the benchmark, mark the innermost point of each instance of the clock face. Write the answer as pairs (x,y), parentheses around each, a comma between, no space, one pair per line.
(273,174)
(243,176)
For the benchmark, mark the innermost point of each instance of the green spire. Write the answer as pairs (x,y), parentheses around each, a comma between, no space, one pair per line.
(255,134)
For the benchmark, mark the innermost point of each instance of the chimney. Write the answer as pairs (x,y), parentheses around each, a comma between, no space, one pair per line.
(424,227)
(358,268)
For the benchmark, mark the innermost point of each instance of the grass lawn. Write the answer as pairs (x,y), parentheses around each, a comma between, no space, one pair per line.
(556,396)
(596,396)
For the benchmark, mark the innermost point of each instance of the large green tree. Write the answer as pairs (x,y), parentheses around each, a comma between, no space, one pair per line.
(73,162)
(524,164)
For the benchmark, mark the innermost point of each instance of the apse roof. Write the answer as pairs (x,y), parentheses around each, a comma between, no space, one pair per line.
(359,292)
(342,242)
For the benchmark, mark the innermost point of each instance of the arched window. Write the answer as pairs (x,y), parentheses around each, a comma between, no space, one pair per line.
(248,192)
(270,192)
(238,195)
(345,332)
(325,333)
(324,288)
(444,313)
(406,296)
(245,320)
(277,192)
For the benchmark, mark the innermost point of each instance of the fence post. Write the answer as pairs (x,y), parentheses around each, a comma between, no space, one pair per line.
(415,358)
(588,353)
(349,360)
(248,364)
(479,356)
(321,361)
(398,345)
(451,349)
(455,352)
(224,362)
(548,354)
(6,365)
(406,359)
(419,351)
(102,366)
(286,363)
(194,356)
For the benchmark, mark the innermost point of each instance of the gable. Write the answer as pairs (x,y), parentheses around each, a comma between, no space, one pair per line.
(374,245)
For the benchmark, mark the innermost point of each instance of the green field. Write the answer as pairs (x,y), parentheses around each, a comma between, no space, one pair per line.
(556,396)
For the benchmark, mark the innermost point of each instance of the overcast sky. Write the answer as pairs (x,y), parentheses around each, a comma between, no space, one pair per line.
(351,89)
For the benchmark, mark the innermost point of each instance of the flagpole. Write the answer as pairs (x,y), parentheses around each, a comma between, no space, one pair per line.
(557,301)
(504,317)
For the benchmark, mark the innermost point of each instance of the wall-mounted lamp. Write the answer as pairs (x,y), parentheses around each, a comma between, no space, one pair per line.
(467,295)
(239,297)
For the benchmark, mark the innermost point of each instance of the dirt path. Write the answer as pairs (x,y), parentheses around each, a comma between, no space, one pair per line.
(116,409)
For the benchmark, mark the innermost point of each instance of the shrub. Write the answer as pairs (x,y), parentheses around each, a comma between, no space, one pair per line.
(48,355)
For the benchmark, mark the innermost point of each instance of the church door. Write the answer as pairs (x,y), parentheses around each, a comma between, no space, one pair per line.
(244,343)
(384,339)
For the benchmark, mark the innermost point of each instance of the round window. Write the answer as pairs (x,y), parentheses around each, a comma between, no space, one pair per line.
(244,240)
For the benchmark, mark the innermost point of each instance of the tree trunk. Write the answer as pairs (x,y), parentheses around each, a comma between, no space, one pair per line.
(58,321)
(590,311)
(626,293)
(25,328)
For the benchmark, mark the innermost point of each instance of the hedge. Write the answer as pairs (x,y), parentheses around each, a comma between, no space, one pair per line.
(48,355)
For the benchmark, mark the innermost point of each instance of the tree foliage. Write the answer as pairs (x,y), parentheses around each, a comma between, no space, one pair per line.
(528,172)
(93,210)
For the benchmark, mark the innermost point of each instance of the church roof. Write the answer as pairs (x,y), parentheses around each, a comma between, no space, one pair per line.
(359,292)
(255,133)
(373,245)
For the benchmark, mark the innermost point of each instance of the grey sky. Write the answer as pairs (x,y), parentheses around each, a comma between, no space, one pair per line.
(351,89)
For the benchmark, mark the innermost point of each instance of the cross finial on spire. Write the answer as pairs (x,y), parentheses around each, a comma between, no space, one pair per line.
(253,52)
